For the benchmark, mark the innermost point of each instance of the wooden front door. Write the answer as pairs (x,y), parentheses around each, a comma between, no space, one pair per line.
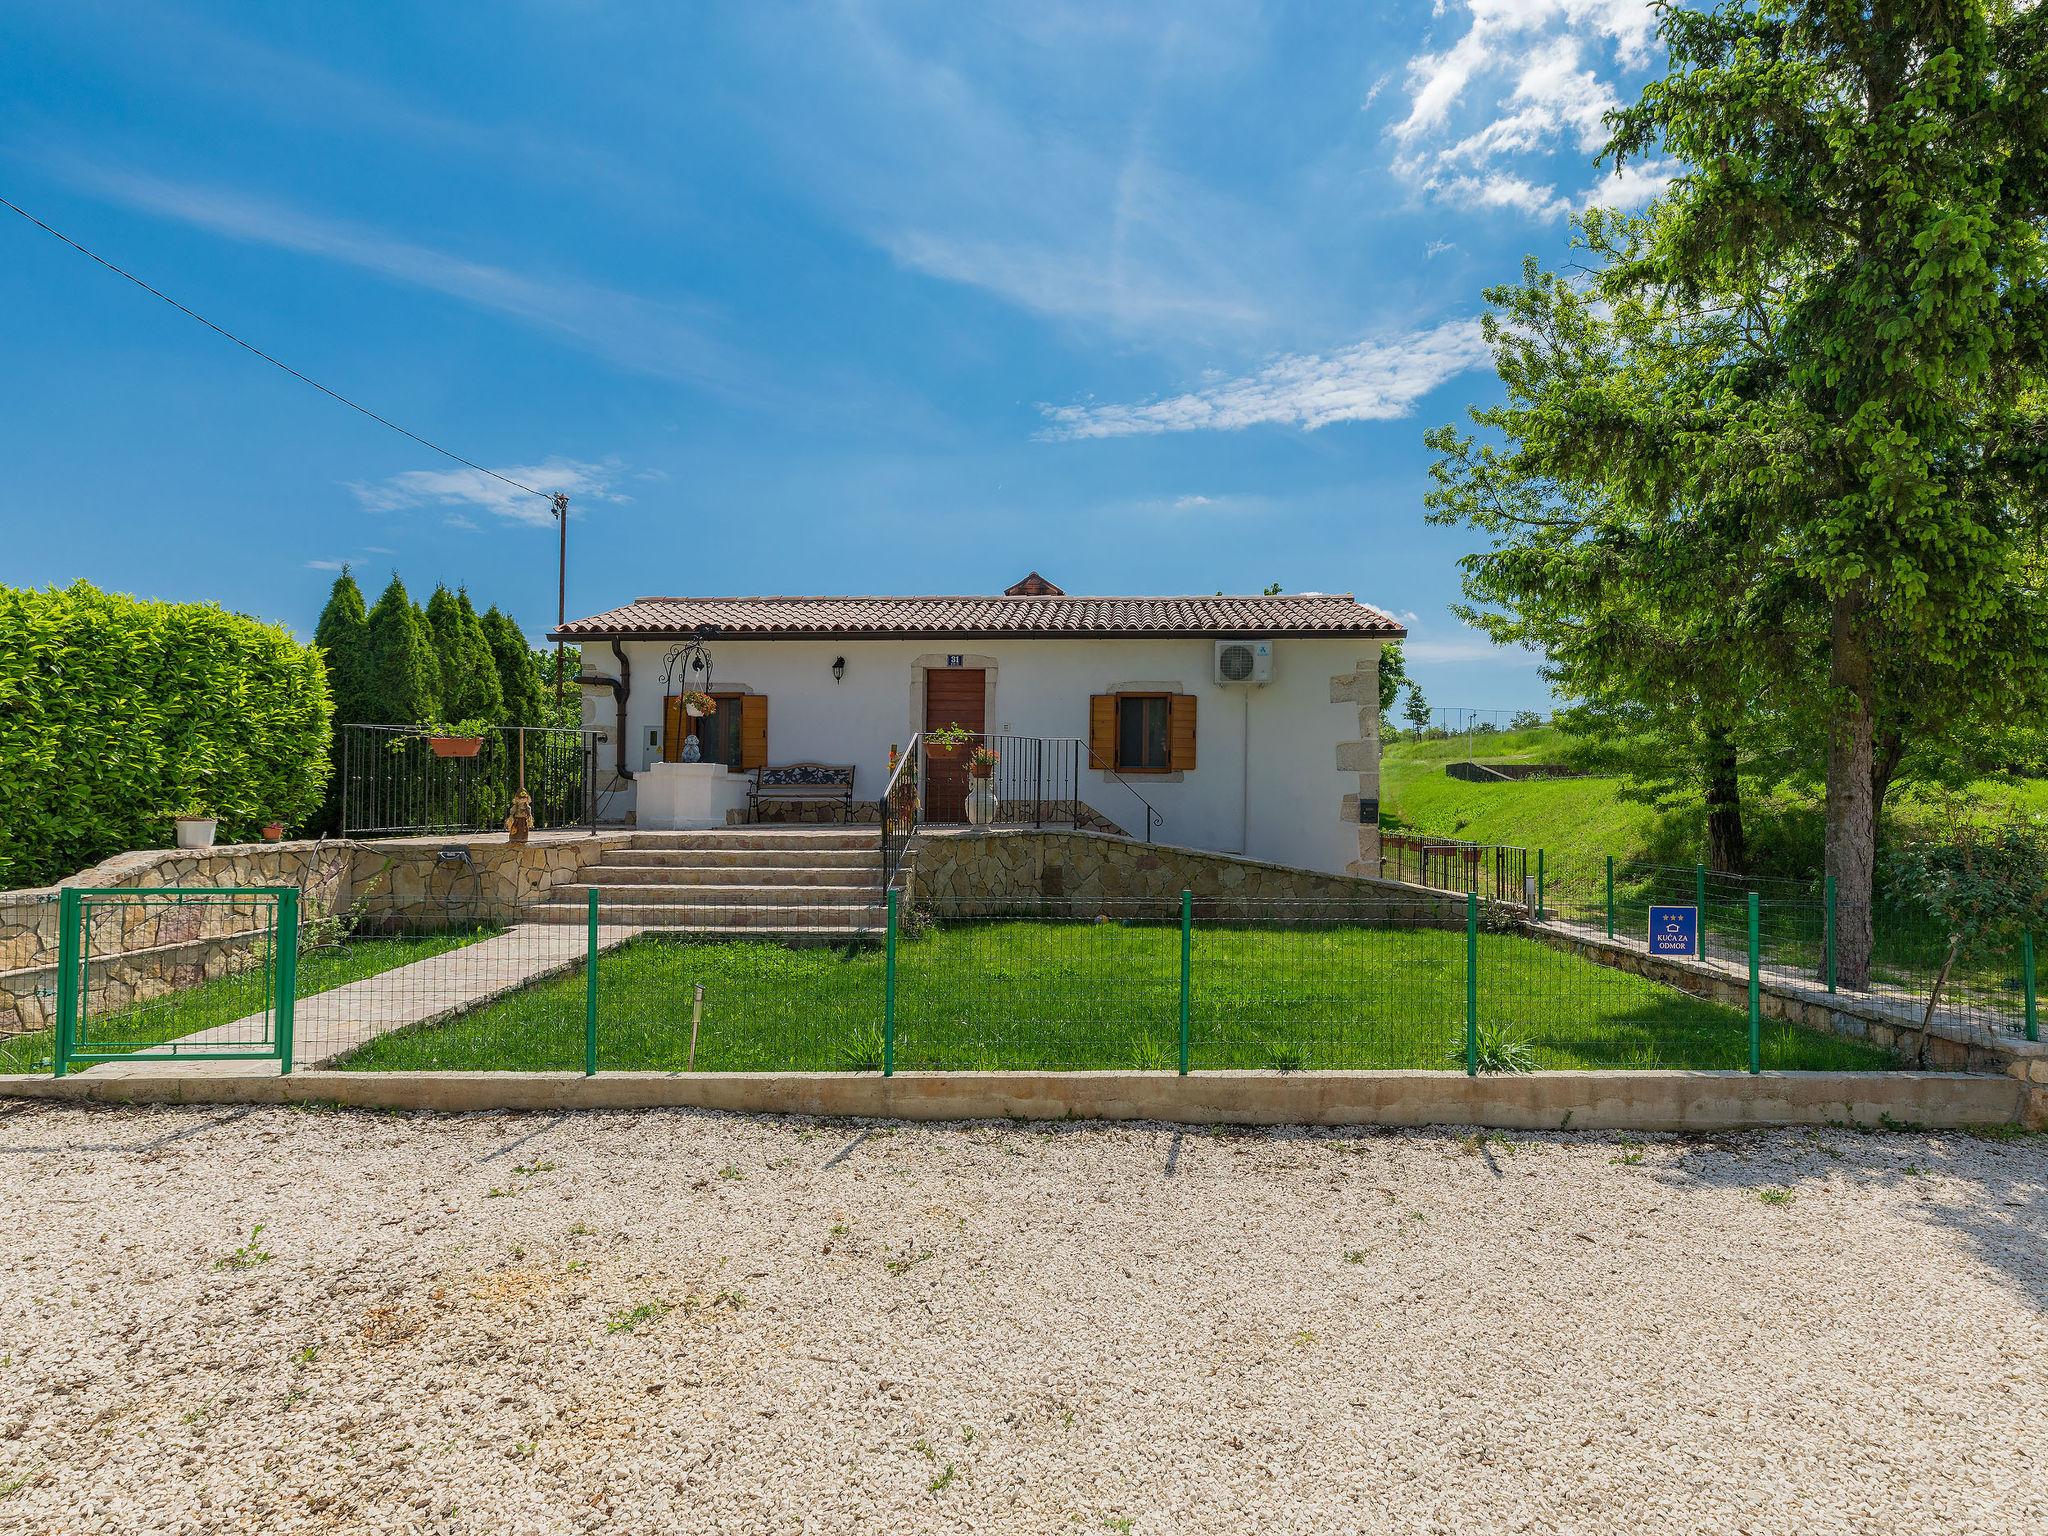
(952,696)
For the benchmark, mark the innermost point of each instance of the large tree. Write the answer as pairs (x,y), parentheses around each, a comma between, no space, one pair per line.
(1621,543)
(1877,173)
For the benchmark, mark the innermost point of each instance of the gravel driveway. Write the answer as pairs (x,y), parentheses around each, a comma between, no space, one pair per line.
(680,1322)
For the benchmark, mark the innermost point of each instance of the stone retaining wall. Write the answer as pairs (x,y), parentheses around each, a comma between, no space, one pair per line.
(147,949)
(1951,1047)
(1077,873)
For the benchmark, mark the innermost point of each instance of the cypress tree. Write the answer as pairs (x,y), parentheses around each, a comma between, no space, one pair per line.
(469,688)
(343,636)
(403,678)
(434,669)
(518,686)
(484,694)
(343,640)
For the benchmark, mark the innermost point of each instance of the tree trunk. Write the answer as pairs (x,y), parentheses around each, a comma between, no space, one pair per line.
(1888,750)
(1852,807)
(1726,851)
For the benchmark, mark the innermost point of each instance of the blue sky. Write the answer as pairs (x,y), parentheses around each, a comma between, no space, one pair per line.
(827,298)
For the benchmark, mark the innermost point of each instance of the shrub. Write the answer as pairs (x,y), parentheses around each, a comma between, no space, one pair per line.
(116,713)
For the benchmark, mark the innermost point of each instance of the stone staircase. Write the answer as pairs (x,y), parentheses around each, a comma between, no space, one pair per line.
(801,882)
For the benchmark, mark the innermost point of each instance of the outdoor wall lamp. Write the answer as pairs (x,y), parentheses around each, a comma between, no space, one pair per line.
(838,669)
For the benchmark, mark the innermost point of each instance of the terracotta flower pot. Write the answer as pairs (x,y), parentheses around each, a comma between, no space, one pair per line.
(273,831)
(456,746)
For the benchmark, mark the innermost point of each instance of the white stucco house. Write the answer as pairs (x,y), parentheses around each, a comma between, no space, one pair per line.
(1246,725)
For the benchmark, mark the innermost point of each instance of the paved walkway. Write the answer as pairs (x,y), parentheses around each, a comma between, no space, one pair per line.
(330,1024)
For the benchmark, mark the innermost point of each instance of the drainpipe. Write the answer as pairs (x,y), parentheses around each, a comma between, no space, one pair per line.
(622,689)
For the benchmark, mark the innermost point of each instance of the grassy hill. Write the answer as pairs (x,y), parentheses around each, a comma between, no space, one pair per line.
(1579,822)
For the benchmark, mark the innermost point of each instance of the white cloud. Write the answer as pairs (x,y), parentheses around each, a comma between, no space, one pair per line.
(1523,80)
(1501,189)
(461,487)
(644,335)
(1371,381)
(1635,184)
(325,565)
(1189,503)
(1004,164)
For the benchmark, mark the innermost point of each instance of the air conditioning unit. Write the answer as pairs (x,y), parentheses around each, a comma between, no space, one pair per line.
(1244,661)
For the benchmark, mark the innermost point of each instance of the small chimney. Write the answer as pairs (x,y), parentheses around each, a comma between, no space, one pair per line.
(1033,585)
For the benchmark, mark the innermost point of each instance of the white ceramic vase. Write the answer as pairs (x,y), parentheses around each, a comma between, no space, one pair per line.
(981,803)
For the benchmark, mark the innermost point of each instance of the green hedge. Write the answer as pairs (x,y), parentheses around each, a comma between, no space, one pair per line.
(116,714)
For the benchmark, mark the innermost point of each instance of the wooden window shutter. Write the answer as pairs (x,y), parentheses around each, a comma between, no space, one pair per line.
(1102,730)
(753,730)
(672,728)
(1180,734)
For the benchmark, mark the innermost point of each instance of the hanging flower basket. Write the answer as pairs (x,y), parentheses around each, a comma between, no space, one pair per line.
(698,705)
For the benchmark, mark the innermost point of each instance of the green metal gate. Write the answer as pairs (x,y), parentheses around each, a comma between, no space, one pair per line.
(195,973)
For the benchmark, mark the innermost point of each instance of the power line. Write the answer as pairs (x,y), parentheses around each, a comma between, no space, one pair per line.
(382,421)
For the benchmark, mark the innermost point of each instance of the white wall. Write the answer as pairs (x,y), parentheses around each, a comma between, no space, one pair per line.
(1293,813)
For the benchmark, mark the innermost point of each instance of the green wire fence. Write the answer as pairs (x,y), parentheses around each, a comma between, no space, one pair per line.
(1187,984)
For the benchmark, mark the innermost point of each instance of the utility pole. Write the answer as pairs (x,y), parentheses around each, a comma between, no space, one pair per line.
(561,594)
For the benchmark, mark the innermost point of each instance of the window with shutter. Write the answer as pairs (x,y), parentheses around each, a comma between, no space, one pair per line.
(1102,730)
(1180,743)
(753,731)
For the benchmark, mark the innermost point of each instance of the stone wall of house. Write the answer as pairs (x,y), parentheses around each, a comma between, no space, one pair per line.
(1081,873)
(147,948)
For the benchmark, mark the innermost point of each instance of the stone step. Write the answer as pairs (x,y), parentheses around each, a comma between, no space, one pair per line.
(851,916)
(719,875)
(869,857)
(794,938)
(719,895)
(856,838)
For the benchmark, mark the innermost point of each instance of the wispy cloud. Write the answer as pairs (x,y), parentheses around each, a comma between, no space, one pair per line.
(644,335)
(453,490)
(1521,84)
(1006,166)
(1372,381)
(325,565)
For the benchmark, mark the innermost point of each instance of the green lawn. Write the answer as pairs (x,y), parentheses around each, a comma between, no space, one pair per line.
(1063,995)
(222,1001)
(1579,822)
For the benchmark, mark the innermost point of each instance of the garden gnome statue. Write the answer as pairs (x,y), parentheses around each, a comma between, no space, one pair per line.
(520,822)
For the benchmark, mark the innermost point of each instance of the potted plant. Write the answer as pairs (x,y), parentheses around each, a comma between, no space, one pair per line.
(697,705)
(463,738)
(194,827)
(981,793)
(273,831)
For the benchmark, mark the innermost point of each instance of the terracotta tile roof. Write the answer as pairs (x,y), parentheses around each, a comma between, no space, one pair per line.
(882,618)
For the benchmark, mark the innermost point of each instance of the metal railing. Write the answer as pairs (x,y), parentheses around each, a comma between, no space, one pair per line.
(899,807)
(395,781)
(1037,781)
(1498,871)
